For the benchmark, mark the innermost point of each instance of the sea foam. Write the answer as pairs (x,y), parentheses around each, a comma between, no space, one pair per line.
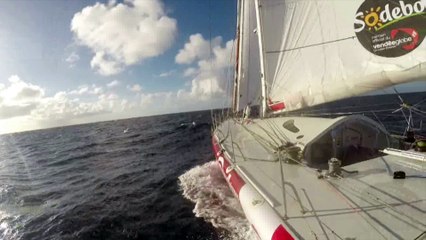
(214,202)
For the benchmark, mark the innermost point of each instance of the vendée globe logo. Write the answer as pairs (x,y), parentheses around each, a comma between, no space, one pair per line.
(391,28)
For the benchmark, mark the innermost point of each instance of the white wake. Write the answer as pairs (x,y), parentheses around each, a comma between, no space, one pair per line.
(214,202)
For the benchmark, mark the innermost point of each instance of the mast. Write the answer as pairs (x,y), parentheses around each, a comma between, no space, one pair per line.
(237,77)
(262,59)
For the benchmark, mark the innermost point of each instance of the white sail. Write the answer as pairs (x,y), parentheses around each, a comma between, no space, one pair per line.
(313,56)
(248,72)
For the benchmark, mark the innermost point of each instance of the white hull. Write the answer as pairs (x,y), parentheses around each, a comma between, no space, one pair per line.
(265,221)
(369,204)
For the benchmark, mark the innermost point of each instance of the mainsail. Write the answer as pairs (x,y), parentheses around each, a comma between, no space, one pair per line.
(315,51)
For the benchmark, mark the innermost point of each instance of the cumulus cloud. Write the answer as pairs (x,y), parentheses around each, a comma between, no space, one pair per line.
(113,84)
(135,88)
(18,97)
(22,99)
(189,72)
(166,74)
(209,75)
(72,59)
(86,89)
(20,91)
(105,65)
(8,111)
(62,108)
(125,33)
(197,48)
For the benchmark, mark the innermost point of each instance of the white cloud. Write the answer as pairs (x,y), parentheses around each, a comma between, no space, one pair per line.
(197,48)
(113,84)
(72,59)
(97,90)
(205,88)
(18,97)
(80,91)
(125,33)
(62,109)
(166,74)
(135,88)
(105,65)
(19,91)
(209,77)
(86,90)
(189,72)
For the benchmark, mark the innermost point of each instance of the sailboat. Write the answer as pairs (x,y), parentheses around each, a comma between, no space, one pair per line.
(302,177)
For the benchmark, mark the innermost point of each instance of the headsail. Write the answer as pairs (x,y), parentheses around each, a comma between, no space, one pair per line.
(248,71)
(322,51)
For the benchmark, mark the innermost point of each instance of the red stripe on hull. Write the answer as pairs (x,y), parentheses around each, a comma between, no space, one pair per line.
(281,234)
(236,183)
(233,178)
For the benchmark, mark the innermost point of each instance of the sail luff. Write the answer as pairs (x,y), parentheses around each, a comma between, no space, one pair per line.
(262,59)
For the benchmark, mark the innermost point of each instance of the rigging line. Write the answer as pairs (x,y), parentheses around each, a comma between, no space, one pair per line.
(274,131)
(283,138)
(232,140)
(230,77)
(342,113)
(261,140)
(360,111)
(420,236)
(210,56)
(267,141)
(252,158)
(371,201)
(357,106)
(316,216)
(283,185)
(418,110)
(419,103)
(355,207)
(281,132)
(311,45)
(378,120)
(269,135)
(377,199)
(422,115)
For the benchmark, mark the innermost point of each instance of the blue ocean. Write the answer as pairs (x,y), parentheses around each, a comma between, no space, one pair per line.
(142,178)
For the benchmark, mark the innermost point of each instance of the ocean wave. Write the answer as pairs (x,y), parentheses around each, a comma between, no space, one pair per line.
(214,202)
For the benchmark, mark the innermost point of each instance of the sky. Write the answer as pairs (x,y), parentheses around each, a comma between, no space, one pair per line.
(73,62)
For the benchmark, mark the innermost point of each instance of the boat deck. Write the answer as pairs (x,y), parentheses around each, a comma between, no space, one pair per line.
(368,204)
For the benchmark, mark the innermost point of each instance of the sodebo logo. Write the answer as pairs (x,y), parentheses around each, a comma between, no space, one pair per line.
(391,28)
(375,18)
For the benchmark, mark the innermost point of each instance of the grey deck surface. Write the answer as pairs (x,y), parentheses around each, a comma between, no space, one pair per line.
(369,204)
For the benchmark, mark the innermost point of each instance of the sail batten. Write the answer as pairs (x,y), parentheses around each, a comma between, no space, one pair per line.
(312,45)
